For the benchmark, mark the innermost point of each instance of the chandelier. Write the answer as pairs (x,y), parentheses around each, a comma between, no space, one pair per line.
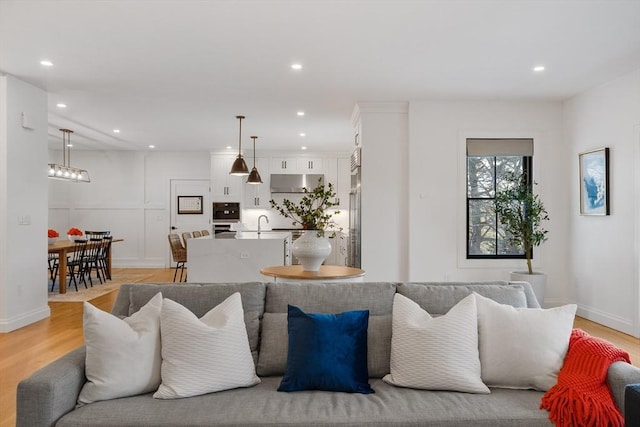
(64,171)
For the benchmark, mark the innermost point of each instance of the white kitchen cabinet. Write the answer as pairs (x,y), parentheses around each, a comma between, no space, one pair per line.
(310,165)
(225,187)
(338,255)
(258,195)
(337,172)
(285,165)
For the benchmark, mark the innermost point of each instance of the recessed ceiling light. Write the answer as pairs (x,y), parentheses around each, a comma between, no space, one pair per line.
(152,146)
(116,131)
(538,68)
(46,63)
(69,145)
(303,148)
(303,134)
(301,113)
(228,147)
(296,66)
(61,105)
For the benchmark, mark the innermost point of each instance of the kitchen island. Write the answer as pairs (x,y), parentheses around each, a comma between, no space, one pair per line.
(236,257)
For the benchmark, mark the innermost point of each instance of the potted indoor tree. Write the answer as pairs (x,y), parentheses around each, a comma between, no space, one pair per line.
(522,212)
(310,212)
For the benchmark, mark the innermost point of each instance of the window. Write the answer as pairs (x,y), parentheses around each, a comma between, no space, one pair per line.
(488,161)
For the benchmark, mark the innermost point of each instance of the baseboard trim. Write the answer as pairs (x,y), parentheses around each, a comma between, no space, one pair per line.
(8,325)
(607,319)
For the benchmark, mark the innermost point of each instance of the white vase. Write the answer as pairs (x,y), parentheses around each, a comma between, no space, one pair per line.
(311,250)
(538,282)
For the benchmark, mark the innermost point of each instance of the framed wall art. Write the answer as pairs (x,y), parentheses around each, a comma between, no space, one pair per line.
(594,182)
(189,205)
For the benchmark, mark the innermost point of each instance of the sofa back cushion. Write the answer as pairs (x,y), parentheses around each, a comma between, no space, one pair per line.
(439,298)
(199,298)
(377,297)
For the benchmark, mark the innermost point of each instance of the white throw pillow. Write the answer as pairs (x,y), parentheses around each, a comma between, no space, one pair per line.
(123,355)
(522,347)
(435,353)
(204,355)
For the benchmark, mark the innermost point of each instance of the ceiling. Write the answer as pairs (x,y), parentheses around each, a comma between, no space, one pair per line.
(175,73)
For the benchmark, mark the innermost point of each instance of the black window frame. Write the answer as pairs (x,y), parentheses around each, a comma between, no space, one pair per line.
(527,169)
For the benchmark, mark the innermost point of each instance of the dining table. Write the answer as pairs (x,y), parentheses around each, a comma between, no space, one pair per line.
(63,247)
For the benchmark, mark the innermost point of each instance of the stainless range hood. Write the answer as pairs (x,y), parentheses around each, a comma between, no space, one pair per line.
(294,183)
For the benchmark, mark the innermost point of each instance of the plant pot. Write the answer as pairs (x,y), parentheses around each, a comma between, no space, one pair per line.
(538,282)
(73,238)
(311,250)
(52,240)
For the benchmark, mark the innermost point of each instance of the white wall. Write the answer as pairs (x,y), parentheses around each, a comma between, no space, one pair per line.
(128,195)
(385,142)
(413,188)
(437,204)
(23,197)
(605,250)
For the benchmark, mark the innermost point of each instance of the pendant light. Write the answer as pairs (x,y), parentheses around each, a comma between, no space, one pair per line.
(254,176)
(239,166)
(64,171)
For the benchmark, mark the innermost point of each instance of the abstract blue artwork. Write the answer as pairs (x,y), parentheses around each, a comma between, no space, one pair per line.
(594,182)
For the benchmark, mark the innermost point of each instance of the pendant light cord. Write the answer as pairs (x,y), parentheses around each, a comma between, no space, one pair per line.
(240,135)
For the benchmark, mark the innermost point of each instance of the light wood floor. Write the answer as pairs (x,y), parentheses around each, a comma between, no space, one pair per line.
(26,350)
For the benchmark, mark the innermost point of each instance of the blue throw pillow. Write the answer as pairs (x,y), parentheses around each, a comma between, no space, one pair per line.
(327,352)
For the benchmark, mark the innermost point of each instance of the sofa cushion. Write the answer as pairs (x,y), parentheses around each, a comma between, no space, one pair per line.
(326,298)
(123,355)
(204,355)
(439,298)
(522,347)
(200,298)
(261,405)
(435,353)
(327,352)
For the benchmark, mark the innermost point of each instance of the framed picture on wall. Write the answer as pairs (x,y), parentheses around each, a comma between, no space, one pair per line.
(594,182)
(189,205)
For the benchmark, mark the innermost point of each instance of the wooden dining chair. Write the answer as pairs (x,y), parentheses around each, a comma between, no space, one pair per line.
(90,233)
(75,263)
(179,254)
(103,256)
(91,259)
(196,234)
(53,269)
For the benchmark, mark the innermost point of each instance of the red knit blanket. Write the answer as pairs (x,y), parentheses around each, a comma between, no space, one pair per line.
(581,396)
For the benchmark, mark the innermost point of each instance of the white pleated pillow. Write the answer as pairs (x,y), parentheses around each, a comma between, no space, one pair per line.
(522,347)
(435,353)
(204,355)
(123,355)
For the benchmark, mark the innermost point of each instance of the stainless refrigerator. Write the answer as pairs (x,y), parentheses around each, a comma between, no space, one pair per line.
(354,258)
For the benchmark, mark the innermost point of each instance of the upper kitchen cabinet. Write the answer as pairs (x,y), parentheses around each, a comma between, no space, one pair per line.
(284,165)
(310,165)
(258,195)
(225,187)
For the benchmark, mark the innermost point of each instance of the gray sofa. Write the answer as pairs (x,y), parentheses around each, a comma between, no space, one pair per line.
(49,396)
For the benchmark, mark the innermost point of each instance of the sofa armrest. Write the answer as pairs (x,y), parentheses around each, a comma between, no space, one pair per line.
(619,375)
(48,394)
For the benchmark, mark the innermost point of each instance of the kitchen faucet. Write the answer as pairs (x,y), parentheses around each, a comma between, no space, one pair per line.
(259,218)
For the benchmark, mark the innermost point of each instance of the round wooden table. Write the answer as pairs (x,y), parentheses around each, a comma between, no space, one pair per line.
(327,272)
